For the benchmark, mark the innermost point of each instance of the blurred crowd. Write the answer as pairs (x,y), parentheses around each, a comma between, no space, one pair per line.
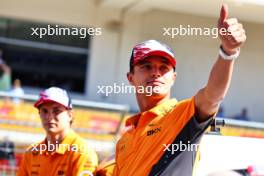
(14,89)
(243,115)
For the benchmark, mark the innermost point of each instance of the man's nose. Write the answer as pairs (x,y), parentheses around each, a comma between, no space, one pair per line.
(155,72)
(48,116)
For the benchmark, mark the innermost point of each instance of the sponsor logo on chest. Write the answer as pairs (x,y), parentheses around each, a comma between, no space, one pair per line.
(153,131)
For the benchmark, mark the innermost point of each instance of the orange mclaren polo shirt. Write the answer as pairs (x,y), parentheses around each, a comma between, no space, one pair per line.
(72,158)
(142,146)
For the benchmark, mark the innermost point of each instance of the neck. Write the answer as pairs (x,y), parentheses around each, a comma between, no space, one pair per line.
(148,102)
(57,138)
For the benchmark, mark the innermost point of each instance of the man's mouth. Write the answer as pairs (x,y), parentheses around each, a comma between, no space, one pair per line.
(50,124)
(154,82)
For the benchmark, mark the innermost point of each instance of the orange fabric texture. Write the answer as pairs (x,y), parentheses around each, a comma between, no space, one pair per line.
(71,158)
(143,144)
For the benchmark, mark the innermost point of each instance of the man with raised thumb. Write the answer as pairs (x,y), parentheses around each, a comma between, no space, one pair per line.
(151,146)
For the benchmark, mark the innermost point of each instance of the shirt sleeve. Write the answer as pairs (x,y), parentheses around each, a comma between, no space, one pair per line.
(180,116)
(23,167)
(115,170)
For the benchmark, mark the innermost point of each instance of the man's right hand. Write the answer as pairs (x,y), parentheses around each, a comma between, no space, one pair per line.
(236,34)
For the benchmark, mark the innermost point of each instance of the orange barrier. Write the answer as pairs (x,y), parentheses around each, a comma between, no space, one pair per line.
(242,132)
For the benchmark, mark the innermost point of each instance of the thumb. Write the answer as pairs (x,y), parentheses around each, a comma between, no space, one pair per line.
(223,14)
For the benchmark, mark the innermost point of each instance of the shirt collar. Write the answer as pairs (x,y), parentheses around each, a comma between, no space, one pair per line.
(66,142)
(62,147)
(158,110)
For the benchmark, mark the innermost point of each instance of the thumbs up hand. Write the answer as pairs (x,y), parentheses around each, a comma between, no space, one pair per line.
(235,35)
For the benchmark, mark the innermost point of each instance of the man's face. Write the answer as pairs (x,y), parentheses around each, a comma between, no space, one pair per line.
(55,118)
(155,73)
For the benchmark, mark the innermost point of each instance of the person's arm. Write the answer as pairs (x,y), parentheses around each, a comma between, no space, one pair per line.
(208,99)
(85,163)
(6,69)
(106,167)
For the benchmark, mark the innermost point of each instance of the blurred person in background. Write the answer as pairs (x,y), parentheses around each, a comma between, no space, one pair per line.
(63,152)
(5,75)
(7,154)
(221,112)
(243,115)
(17,91)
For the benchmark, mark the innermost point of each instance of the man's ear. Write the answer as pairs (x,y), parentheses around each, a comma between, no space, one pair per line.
(175,76)
(70,114)
(130,77)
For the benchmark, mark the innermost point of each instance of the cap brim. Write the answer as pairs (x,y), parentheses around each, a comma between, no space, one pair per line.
(158,53)
(42,101)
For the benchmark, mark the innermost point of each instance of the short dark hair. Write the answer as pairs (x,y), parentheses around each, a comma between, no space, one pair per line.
(131,67)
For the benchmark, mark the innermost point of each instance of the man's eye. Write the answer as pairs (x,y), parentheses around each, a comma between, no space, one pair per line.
(164,68)
(44,111)
(56,111)
(146,66)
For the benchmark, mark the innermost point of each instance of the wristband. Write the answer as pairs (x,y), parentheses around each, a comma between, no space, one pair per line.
(225,56)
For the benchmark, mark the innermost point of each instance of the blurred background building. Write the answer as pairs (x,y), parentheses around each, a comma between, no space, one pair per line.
(80,64)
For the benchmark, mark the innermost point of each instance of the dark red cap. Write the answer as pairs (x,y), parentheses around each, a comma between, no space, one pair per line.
(151,48)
